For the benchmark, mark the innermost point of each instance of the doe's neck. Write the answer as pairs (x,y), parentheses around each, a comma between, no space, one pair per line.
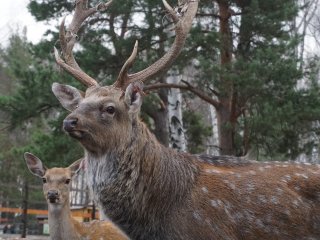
(61,223)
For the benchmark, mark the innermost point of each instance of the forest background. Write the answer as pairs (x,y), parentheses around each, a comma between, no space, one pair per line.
(246,83)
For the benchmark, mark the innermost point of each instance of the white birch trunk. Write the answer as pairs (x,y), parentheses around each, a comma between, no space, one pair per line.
(176,132)
(214,140)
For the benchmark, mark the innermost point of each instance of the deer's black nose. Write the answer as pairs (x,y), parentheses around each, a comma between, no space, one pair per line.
(69,124)
(52,195)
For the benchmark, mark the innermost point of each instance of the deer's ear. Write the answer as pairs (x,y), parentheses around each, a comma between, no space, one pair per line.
(35,165)
(68,96)
(76,167)
(133,97)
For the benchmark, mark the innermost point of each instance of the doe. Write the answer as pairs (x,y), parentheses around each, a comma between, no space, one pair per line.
(56,189)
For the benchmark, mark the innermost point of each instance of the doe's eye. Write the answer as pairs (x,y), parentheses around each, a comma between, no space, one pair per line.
(110,110)
(44,180)
(68,181)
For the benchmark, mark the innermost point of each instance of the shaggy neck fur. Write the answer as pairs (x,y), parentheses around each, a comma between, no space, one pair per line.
(139,184)
(60,223)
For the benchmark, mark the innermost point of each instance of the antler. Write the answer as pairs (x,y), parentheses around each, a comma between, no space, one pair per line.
(68,39)
(183,24)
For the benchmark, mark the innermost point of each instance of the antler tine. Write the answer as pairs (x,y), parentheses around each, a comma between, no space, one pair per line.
(123,75)
(182,27)
(68,39)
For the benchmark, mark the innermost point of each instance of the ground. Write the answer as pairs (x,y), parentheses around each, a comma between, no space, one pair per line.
(17,237)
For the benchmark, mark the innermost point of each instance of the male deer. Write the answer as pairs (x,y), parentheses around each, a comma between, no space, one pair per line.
(56,189)
(153,192)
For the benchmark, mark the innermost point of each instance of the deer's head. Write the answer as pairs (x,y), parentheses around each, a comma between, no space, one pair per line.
(56,181)
(102,116)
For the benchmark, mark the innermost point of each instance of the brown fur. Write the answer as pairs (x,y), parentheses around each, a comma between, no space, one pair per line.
(98,230)
(153,192)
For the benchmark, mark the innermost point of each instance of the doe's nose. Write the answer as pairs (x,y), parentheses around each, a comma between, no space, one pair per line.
(52,194)
(69,124)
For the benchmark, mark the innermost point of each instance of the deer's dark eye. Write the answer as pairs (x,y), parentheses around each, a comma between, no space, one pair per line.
(68,181)
(44,180)
(110,110)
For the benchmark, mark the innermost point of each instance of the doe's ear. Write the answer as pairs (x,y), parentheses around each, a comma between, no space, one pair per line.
(76,167)
(35,165)
(133,96)
(68,96)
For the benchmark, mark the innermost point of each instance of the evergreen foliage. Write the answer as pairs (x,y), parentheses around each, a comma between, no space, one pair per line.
(196,131)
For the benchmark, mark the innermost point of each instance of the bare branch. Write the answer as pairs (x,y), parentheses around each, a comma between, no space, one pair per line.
(186,86)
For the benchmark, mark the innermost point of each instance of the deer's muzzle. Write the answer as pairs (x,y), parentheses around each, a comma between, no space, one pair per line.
(53,196)
(70,124)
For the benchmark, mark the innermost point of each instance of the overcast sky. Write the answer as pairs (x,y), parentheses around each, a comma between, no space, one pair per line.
(13,15)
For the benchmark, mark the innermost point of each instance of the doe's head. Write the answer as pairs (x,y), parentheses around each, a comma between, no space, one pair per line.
(102,117)
(56,181)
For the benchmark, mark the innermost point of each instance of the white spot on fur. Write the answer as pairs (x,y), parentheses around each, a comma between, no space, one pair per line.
(259,223)
(279,191)
(197,216)
(274,200)
(295,202)
(301,175)
(214,203)
(262,198)
(229,214)
(250,187)
(226,181)
(204,189)
(212,171)
(287,177)
(232,186)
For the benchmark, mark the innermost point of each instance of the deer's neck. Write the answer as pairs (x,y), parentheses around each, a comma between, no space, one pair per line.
(140,179)
(61,223)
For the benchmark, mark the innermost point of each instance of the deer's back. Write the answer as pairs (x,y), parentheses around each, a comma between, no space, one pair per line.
(99,230)
(253,200)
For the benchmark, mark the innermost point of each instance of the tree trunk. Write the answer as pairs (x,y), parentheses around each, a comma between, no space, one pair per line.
(225,131)
(93,213)
(225,112)
(214,141)
(176,138)
(160,117)
(25,210)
